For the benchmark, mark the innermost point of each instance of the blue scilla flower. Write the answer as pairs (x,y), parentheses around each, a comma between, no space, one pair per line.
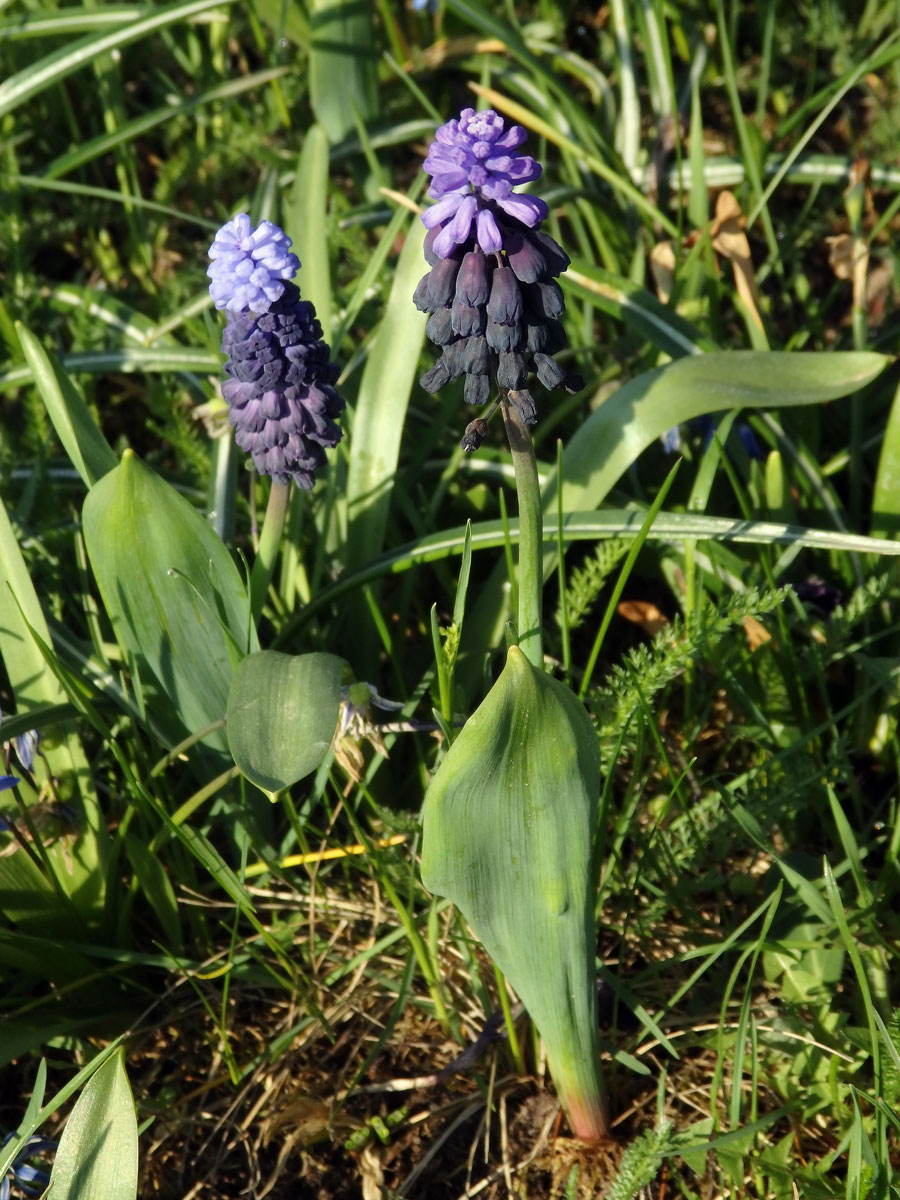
(250,266)
(423,5)
(7,782)
(31,1180)
(706,427)
(491,293)
(281,396)
(26,745)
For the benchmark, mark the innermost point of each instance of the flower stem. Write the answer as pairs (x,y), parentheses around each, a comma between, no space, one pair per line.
(531,532)
(269,543)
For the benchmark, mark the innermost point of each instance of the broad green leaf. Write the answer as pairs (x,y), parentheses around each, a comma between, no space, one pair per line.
(343,83)
(641,411)
(98,1151)
(384,393)
(127,359)
(590,526)
(87,448)
(176,601)
(508,833)
(282,715)
(9,1151)
(29,899)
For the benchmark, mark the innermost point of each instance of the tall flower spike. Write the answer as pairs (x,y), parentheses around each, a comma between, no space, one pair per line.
(491,292)
(281,396)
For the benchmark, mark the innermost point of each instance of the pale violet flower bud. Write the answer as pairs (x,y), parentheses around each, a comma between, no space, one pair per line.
(250,266)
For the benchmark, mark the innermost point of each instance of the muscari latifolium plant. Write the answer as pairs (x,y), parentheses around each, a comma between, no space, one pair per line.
(510,815)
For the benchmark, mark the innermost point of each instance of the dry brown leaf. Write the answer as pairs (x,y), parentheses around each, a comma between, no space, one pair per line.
(848,257)
(730,240)
(448,48)
(643,613)
(372,1174)
(757,634)
(662,264)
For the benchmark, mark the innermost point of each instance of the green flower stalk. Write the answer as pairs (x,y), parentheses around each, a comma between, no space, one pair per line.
(509,828)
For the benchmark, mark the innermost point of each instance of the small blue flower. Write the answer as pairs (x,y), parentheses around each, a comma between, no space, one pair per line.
(31,1180)
(422,5)
(7,782)
(250,266)
(706,427)
(26,745)
(475,164)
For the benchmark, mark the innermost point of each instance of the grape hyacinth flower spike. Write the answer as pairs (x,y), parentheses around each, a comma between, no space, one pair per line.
(280,392)
(491,292)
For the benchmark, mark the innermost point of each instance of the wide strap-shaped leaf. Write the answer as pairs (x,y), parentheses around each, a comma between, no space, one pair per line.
(384,393)
(508,836)
(177,603)
(615,434)
(642,409)
(343,76)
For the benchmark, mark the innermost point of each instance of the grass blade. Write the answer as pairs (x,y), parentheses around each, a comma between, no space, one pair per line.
(384,394)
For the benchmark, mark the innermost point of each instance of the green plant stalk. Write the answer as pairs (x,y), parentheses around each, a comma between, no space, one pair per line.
(509,1022)
(269,544)
(531,534)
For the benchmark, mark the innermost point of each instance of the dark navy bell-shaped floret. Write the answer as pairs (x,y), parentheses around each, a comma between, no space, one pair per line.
(280,392)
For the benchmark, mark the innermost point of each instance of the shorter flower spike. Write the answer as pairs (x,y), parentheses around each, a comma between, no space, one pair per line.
(280,394)
(491,290)
(250,266)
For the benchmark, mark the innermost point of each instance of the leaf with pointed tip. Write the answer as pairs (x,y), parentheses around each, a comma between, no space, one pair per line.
(282,714)
(98,1151)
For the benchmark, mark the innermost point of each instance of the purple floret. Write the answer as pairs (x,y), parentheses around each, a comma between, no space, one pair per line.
(475,164)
